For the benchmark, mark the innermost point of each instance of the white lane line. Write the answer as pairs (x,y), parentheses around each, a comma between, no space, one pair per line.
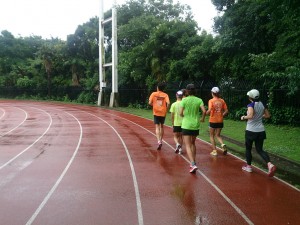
(237,209)
(41,206)
(26,116)
(135,183)
(14,158)
(3,113)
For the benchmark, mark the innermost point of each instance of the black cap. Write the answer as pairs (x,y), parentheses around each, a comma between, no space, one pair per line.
(190,87)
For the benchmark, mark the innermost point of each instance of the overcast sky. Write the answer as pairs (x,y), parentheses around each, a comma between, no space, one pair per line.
(59,18)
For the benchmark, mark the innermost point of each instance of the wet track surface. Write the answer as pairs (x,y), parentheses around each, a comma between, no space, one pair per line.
(73,164)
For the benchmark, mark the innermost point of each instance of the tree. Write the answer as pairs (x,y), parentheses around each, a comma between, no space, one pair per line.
(52,57)
(223,5)
(200,59)
(151,39)
(16,55)
(82,52)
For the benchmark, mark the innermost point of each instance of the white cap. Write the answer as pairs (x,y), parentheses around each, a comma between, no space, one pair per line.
(179,93)
(254,94)
(215,90)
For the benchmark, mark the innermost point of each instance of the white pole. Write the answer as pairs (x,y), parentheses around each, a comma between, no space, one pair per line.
(102,83)
(114,93)
(115,48)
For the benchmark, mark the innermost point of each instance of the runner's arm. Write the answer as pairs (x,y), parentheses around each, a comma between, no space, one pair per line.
(203,113)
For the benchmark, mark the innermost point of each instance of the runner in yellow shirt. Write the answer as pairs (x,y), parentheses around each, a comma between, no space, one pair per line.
(177,121)
(189,110)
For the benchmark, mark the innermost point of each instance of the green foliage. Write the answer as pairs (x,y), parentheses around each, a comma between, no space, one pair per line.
(201,56)
(286,115)
(137,106)
(66,98)
(222,5)
(238,114)
(153,40)
(278,73)
(86,97)
(24,82)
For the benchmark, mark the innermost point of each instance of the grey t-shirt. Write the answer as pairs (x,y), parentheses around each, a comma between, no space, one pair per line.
(255,124)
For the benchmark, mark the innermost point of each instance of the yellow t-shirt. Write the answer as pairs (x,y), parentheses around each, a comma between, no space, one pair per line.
(175,108)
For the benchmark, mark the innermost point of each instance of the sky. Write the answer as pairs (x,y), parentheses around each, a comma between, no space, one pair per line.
(59,18)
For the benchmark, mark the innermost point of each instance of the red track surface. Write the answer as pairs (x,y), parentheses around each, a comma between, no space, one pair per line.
(71,164)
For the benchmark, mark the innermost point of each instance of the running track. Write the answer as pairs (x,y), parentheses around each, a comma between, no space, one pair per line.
(71,164)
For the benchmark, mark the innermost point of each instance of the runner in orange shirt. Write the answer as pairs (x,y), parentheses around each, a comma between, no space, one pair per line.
(217,109)
(160,102)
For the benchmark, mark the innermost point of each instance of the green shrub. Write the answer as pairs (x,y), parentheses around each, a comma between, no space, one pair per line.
(285,115)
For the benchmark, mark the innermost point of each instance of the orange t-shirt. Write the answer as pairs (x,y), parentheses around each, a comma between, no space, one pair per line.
(217,107)
(159,102)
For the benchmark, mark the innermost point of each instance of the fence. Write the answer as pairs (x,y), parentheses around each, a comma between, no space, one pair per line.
(285,109)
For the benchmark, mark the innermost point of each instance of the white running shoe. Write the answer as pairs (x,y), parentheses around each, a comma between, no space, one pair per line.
(272,169)
(180,151)
(193,168)
(247,168)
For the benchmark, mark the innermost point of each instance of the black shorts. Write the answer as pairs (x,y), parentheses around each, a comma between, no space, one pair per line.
(253,136)
(177,129)
(190,132)
(159,119)
(216,125)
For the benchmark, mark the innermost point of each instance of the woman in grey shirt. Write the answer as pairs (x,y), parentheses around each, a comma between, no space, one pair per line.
(255,131)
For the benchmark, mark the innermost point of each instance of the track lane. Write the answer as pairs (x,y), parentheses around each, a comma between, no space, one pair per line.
(58,181)
(86,203)
(2,114)
(12,121)
(165,160)
(164,202)
(254,194)
(167,199)
(169,194)
(24,136)
(25,186)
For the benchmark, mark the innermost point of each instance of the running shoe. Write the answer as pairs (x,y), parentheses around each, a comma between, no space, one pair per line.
(193,168)
(180,151)
(247,168)
(272,170)
(177,148)
(224,148)
(159,145)
(214,153)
